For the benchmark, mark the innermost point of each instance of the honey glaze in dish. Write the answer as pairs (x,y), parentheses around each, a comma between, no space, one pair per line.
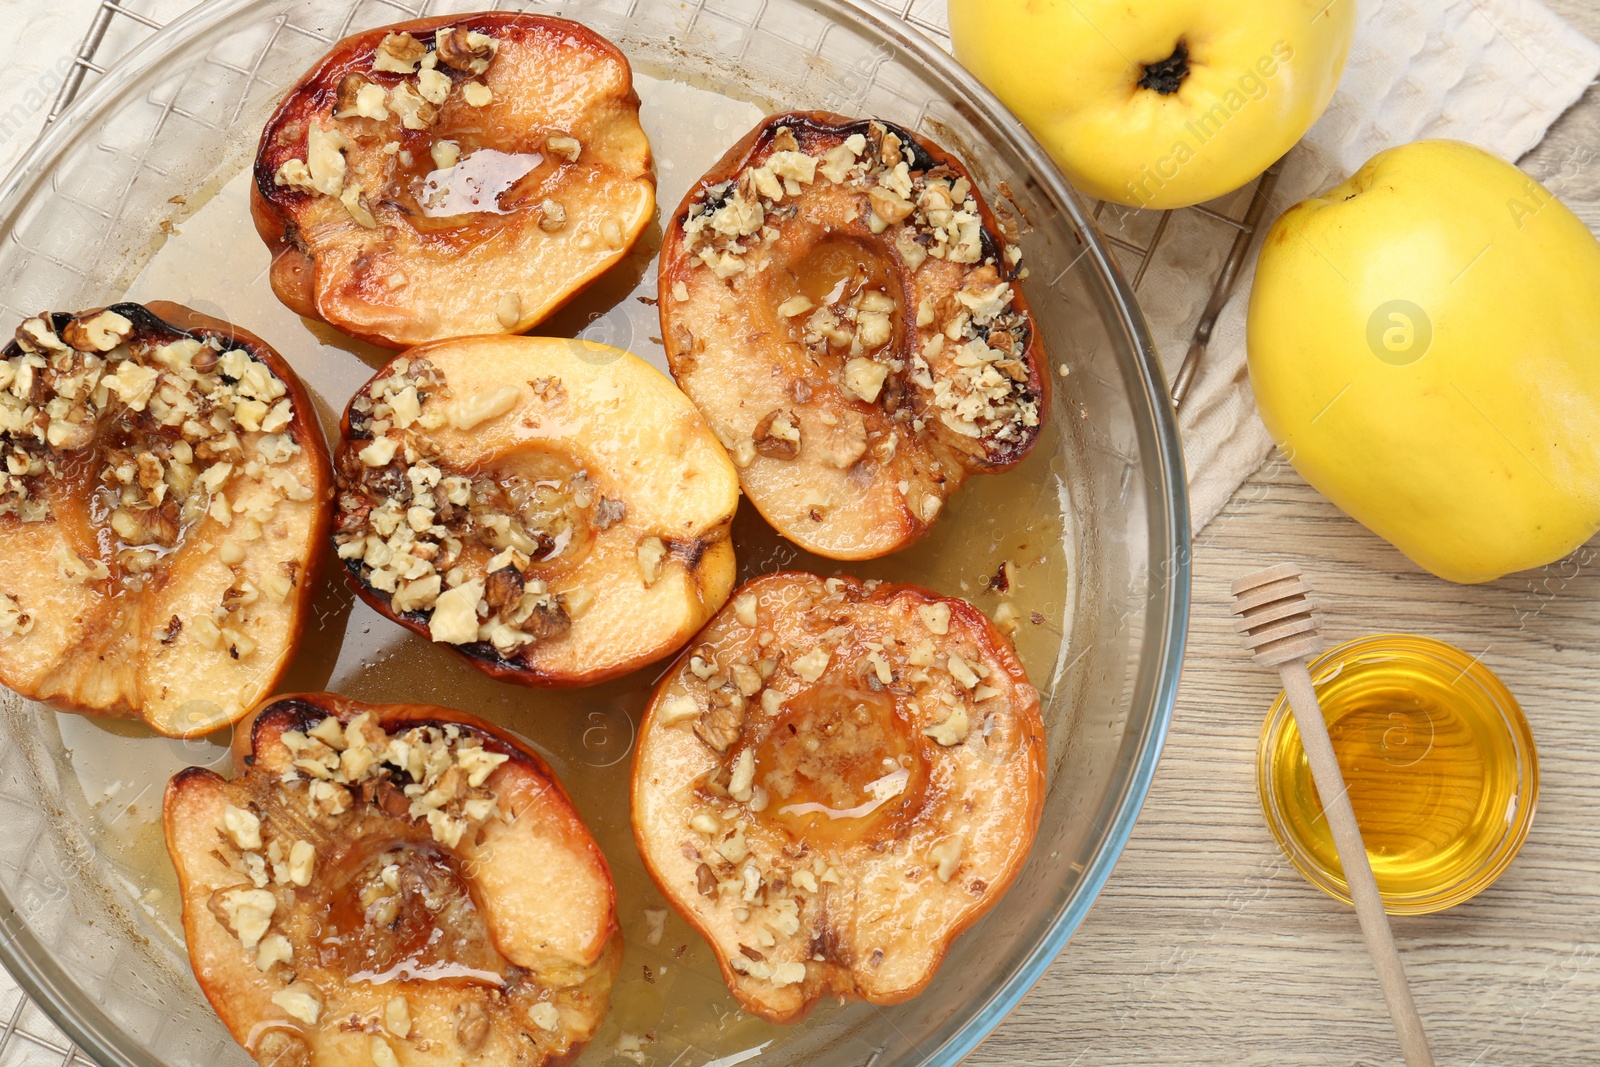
(670,984)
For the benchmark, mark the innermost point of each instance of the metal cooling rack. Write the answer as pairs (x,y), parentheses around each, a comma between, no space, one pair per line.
(27,1037)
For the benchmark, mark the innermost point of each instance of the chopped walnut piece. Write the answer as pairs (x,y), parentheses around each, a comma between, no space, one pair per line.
(722,723)
(246,912)
(609,512)
(946,856)
(381,1054)
(652,556)
(397,1017)
(243,828)
(563,146)
(777,436)
(508,312)
(301,1002)
(811,666)
(445,154)
(936,617)
(398,53)
(477,94)
(865,377)
(545,1016)
(552,216)
(101,333)
(465,50)
(952,731)
(677,708)
(455,614)
(504,588)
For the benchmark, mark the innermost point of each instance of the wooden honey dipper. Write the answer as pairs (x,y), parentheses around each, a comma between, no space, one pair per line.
(1275,621)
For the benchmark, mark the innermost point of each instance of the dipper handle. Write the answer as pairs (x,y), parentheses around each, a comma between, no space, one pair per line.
(1277,624)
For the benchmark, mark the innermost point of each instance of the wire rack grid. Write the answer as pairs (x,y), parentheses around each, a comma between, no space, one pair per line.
(27,1037)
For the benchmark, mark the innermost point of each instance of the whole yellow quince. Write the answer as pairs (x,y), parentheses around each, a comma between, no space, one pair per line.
(1425,348)
(1159,103)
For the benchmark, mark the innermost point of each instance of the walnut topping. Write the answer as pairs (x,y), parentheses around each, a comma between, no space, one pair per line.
(777,436)
(359,98)
(936,617)
(652,556)
(465,50)
(565,147)
(811,666)
(864,377)
(189,414)
(445,771)
(552,216)
(608,513)
(677,708)
(242,827)
(397,1017)
(946,856)
(477,94)
(722,724)
(455,614)
(380,1052)
(398,53)
(302,862)
(301,1002)
(351,199)
(744,609)
(545,1016)
(508,312)
(952,731)
(246,912)
(962,672)
(273,950)
(325,163)
(433,86)
(101,333)
(969,356)
(415,112)
(418,532)
(445,154)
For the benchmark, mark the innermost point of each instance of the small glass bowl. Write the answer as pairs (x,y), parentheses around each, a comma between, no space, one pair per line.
(1439,762)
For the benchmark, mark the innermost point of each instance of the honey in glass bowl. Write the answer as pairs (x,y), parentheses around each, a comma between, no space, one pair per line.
(1439,762)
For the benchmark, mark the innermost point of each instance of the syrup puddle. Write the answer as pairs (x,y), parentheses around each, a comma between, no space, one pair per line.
(475,183)
(413,970)
(882,790)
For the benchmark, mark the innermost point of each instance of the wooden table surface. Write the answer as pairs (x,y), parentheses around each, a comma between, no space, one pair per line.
(1206,947)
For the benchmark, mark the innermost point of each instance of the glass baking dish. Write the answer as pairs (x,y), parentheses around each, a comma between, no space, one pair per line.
(139,191)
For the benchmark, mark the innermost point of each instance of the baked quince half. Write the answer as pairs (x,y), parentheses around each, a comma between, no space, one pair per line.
(391,885)
(842,305)
(836,780)
(452,176)
(556,511)
(164,511)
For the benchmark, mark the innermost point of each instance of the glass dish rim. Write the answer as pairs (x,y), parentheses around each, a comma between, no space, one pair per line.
(1511,842)
(1168,594)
